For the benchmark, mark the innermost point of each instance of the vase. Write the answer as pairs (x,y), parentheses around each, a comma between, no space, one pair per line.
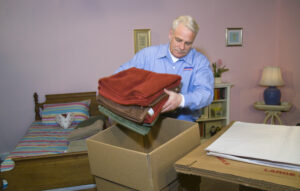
(272,96)
(218,80)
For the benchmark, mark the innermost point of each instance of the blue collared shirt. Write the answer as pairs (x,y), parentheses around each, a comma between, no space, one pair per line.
(197,77)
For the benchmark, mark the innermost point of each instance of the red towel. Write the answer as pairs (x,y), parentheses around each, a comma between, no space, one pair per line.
(136,86)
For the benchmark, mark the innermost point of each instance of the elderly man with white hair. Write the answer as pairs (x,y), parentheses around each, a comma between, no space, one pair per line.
(178,57)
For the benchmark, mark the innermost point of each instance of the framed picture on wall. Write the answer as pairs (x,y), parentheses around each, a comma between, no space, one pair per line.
(234,36)
(142,39)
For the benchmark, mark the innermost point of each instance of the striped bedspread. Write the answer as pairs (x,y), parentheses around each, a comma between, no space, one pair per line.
(39,140)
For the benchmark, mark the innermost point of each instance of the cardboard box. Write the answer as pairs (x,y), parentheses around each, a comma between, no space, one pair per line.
(197,162)
(124,159)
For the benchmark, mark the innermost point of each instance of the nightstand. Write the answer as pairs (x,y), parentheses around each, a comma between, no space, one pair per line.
(273,111)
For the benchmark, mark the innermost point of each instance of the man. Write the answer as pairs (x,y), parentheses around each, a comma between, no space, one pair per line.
(178,57)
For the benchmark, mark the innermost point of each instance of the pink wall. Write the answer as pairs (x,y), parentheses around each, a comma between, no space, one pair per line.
(289,57)
(67,45)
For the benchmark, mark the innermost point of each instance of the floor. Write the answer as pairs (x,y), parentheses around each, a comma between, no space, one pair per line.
(191,183)
(208,184)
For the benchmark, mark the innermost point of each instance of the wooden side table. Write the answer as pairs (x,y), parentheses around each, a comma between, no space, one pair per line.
(273,111)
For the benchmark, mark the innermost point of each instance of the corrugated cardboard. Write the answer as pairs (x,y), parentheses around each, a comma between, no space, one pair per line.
(138,162)
(257,176)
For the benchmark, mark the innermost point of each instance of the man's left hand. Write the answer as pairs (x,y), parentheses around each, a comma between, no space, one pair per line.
(173,102)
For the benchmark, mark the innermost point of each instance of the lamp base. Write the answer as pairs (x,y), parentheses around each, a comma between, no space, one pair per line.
(272,96)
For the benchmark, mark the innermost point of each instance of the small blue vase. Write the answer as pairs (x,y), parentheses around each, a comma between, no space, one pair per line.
(272,96)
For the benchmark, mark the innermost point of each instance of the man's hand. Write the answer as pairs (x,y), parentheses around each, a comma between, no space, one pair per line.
(173,102)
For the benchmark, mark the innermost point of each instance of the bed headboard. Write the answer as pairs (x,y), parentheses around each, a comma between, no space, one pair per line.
(68,97)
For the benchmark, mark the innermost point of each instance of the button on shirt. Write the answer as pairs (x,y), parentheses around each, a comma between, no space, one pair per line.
(197,78)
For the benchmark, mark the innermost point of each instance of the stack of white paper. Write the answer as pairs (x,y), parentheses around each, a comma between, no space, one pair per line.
(270,145)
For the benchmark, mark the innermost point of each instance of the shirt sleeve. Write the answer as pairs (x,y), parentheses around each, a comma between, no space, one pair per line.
(138,61)
(182,101)
(201,88)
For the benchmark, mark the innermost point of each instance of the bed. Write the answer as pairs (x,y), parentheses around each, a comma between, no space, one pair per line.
(50,170)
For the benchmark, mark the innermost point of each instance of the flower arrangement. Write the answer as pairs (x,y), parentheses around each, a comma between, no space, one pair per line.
(219,68)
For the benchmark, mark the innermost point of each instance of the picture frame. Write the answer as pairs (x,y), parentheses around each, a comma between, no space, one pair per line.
(142,39)
(234,36)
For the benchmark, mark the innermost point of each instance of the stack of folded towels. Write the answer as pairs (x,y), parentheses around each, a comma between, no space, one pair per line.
(136,95)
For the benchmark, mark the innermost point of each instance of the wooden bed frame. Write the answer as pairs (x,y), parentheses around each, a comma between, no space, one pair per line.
(57,170)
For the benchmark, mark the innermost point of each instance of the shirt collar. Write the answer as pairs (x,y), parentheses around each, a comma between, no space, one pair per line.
(166,53)
(174,59)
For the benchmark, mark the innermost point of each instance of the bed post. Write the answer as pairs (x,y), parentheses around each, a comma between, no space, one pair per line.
(1,184)
(1,181)
(36,106)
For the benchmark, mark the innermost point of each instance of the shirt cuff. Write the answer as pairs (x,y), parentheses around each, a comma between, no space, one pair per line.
(182,101)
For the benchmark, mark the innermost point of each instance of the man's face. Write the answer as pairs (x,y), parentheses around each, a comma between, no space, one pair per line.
(181,40)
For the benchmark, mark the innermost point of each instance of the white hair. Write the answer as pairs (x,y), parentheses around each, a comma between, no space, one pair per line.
(187,21)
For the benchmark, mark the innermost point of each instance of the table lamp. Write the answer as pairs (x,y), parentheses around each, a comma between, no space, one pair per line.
(271,77)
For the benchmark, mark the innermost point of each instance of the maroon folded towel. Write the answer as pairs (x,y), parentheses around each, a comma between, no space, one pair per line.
(136,113)
(136,86)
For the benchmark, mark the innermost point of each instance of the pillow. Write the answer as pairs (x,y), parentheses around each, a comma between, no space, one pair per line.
(80,110)
(88,131)
(65,120)
(90,121)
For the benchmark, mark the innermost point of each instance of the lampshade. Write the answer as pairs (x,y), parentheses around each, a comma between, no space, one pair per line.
(271,76)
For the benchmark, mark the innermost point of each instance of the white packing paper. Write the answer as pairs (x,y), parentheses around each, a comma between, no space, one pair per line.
(270,145)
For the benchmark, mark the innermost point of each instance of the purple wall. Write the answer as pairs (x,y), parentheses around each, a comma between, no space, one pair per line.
(67,45)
